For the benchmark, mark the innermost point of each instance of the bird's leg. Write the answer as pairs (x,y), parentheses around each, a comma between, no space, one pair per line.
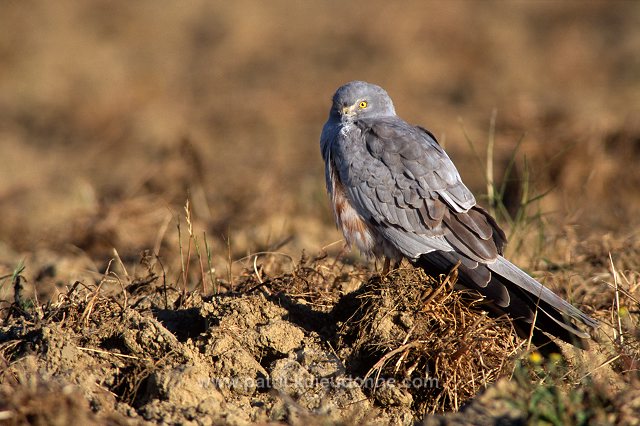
(385,268)
(387,265)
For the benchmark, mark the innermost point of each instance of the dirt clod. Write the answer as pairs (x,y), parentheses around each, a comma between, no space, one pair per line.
(437,345)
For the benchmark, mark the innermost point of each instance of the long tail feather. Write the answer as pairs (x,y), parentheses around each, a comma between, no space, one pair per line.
(510,290)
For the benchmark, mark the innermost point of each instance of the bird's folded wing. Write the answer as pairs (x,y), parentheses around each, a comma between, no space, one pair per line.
(401,181)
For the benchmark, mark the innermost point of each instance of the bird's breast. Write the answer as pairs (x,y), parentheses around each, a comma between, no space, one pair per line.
(355,229)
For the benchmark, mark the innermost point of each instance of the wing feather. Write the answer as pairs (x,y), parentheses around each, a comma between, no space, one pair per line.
(397,175)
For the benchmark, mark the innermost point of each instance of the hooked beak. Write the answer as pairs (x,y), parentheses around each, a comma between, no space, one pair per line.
(349,111)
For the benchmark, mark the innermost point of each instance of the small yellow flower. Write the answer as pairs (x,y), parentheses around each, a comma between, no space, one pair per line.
(535,357)
(555,358)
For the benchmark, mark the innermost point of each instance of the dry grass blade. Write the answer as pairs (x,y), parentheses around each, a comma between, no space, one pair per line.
(86,314)
(378,366)
(448,281)
(107,353)
(619,336)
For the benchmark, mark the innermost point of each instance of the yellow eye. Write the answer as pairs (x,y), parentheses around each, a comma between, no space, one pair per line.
(362,104)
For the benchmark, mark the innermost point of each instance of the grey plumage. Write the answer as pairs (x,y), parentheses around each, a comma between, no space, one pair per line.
(396,194)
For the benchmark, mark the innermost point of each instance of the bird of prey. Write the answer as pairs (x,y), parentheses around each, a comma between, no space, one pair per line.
(396,194)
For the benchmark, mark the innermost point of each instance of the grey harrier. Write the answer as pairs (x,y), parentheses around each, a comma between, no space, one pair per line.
(396,194)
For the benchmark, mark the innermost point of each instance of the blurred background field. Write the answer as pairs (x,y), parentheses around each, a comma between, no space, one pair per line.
(112,114)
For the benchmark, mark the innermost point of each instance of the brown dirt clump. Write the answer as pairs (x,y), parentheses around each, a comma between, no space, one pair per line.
(437,346)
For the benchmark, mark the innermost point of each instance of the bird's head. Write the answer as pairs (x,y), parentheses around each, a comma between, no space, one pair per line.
(359,99)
